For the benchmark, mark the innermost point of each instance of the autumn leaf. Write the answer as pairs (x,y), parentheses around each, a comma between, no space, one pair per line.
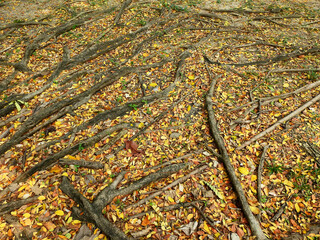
(145,222)
(59,213)
(255,210)
(133,146)
(243,170)
(206,227)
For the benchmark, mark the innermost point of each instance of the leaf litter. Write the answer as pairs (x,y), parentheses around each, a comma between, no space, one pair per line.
(290,176)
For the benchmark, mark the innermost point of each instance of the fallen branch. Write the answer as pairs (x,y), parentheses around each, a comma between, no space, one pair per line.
(254,224)
(288,117)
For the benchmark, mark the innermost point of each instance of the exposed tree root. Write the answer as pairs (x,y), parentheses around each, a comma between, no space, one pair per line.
(254,224)
(92,211)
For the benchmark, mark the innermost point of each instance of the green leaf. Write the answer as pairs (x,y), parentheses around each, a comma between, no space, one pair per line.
(219,194)
(17,106)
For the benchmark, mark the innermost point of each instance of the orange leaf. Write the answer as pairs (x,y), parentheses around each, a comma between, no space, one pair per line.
(240,232)
(293,223)
(50,226)
(145,222)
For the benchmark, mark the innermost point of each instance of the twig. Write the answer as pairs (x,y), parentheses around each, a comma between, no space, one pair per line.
(281,209)
(208,220)
(288,117)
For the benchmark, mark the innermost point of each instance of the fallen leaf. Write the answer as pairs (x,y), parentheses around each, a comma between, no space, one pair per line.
(255,210)
(206,227)
(133,146)
(243,170)
(59,213)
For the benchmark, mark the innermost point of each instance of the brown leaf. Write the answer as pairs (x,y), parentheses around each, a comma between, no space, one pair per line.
(133,146)
(240,232)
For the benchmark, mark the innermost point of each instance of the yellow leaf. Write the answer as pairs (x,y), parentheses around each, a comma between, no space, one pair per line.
(21,188)
(243,170)
(69,220)
(145,54)
(182,199)
(153,85)
(296,206)
(41,198)
(71,157)
(255,210)
(26,215)
(189,108)
(141,125)
(170,199)
(65,174)
(27,222)
(59,213)
(288,183)
(206,227)
(190,216)
(191,77)
(286,84)
(253,177)
(58,123)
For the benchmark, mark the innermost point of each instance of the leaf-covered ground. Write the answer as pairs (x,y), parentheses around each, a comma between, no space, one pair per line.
(99,92)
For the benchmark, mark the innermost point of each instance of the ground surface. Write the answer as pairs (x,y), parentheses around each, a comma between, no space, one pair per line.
(77,85)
